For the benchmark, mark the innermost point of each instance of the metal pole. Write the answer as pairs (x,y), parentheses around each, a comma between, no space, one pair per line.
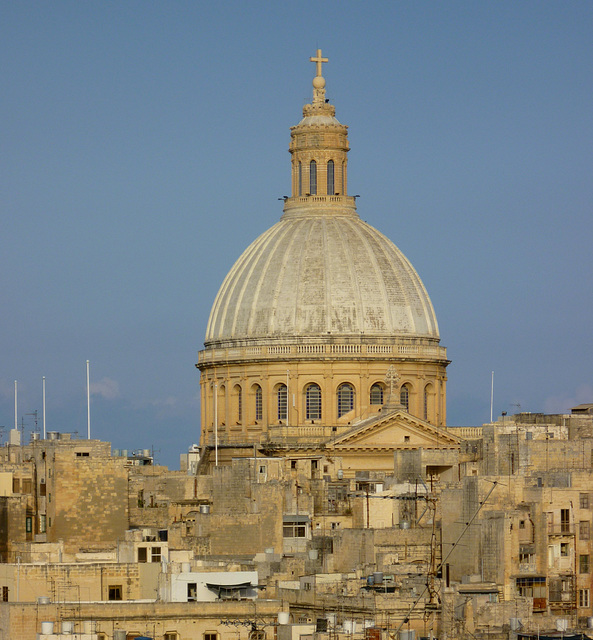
(287,399)
(44,407)
(16,420)
(88,400)
(215,386)
(491,396)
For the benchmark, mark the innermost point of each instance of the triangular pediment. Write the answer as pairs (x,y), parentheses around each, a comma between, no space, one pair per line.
(398,430)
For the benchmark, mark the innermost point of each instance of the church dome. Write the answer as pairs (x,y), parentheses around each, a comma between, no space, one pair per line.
(320,273)
(322,321)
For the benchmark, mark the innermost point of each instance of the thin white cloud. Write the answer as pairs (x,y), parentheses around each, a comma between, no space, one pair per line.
(106,388)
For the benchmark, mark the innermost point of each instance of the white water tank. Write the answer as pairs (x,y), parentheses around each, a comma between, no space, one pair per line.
(67,627)
(349,626)
(283,617)
(47,628)
(119,634)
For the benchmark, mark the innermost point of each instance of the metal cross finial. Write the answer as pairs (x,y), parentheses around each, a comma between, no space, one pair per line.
(319,60)
(392,378)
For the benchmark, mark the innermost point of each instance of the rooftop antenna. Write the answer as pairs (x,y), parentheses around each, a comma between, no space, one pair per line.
(88,401)
(35,415)
(16,420)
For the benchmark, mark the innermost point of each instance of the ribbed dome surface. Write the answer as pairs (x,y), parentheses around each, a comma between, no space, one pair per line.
(316,275)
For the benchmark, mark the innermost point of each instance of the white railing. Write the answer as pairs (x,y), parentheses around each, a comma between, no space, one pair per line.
(374,351)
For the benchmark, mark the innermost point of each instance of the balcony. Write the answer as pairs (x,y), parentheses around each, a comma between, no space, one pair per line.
(562,529)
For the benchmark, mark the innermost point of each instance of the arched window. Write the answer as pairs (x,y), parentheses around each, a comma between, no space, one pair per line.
(376,394)
(238,403)
(427,390)
(330,178)
(282,398)
(404,397)
(313,402)
(343,178)
(300,186)
(313,178)
(345,399)
(258,403)
(221,405)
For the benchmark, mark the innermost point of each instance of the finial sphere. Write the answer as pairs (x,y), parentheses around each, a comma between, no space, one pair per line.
(318,82)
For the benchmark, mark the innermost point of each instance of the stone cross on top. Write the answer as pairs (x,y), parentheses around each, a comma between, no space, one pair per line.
(392,378)
(319,60)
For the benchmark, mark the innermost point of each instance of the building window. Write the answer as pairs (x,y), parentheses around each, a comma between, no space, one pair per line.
(564,549)
(210,635)
(584,598)
(584,530)
(192,591)
(344,178)
(531,587)
(29,524)
(156,554)
(564,520)
(404,397)
(313,402)
(4,594)
(313,178)
(115,592)
(426,401)
(376,394)
(239,403)
(42,523)
(170,635)
(345,399)
(282,395)
(330,178)
(294,529)
(142,554)
(258,403)
(300,178)
(584,500)
(584,563)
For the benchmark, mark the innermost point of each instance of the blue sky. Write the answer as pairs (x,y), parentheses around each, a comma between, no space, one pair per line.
(144,146)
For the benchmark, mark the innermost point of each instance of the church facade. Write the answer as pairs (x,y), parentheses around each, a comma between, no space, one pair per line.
(322,326)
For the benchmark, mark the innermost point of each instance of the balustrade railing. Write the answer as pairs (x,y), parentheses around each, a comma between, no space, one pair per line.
(373,351)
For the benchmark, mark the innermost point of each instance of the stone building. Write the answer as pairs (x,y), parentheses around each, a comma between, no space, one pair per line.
(328,499)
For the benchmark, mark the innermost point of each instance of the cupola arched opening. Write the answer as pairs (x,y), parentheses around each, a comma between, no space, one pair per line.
(330,178)
(313,178)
